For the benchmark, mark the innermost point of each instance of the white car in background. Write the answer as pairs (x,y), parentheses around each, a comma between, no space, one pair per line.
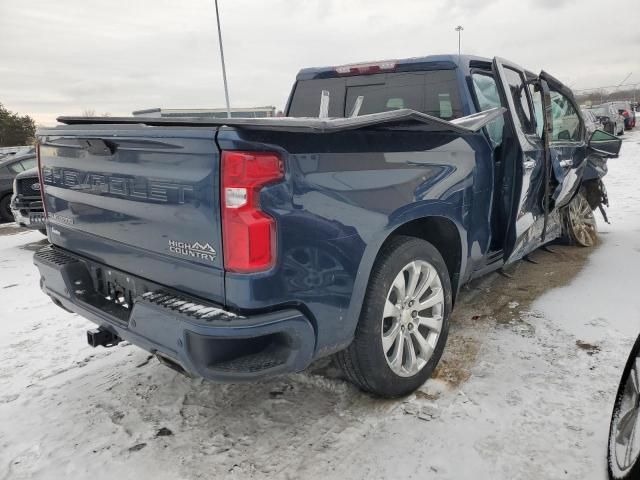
(613,122)
(591,122)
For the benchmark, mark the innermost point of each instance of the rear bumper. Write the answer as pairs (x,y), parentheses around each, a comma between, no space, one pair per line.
(197,337)
(26,216)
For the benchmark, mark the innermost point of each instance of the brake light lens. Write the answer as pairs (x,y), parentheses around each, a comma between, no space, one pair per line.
(249,234)
(366,68)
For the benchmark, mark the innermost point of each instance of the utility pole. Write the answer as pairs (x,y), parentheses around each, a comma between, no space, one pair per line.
(459,29)
(224,70)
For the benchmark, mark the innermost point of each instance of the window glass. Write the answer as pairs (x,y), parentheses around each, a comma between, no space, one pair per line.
(566,122)
(398,91)
(431,92)
(488,97)
(15,167)
(28,163)
(536,97)
(520,101)
(306,97)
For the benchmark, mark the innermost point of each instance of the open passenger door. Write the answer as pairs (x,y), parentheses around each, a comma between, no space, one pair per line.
(564,140)
(526,149)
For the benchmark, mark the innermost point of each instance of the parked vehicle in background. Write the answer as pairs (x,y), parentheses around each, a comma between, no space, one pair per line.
(623,453)
(237,249)
(9,168)
(26,202)
(611,119)
(629,115)
(591,121)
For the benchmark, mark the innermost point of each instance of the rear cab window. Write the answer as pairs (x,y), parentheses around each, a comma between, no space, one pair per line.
(432,92)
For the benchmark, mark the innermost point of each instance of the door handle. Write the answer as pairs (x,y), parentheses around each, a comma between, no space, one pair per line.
(529,164)
(566,163)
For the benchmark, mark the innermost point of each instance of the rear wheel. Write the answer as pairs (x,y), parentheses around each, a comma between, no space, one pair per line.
(624,433)
(404,321)
(5,209)
(579,222)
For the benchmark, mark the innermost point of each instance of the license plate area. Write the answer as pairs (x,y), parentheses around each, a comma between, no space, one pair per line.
(114,292)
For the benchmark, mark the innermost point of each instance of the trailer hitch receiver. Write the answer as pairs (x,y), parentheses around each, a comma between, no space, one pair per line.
(101,337)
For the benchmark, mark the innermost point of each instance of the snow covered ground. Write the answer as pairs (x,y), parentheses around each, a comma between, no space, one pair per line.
(524,391)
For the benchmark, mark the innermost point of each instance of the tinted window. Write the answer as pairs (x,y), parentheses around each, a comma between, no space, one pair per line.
(306,98)
(28,163)
(487,96)
(15,167)
(566,122)
(520,100)
(434,93)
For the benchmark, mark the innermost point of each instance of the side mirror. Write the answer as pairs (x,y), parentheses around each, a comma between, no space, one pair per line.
(605,144)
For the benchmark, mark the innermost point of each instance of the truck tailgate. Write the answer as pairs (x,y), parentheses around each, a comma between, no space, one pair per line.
(141,199)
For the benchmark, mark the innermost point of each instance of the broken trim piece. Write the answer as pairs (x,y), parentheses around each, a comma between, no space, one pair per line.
(404,117)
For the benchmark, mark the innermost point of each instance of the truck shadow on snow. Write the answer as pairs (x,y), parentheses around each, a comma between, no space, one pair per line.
(139,410)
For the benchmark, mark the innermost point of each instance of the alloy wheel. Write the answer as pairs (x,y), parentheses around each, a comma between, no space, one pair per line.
(624,444)
(412,318)
(582,221)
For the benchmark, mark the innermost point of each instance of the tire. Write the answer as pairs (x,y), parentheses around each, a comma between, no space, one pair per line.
(579,225)
(368,362)
(5,208)
(616,449)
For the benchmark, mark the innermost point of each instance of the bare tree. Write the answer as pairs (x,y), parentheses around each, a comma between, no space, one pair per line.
(88,112)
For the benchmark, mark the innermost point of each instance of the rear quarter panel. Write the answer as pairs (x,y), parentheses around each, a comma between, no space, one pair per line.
(343,196)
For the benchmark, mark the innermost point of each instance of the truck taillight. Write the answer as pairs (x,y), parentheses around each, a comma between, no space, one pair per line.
(249,234)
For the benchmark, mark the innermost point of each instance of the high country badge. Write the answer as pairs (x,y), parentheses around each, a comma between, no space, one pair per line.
(199,250)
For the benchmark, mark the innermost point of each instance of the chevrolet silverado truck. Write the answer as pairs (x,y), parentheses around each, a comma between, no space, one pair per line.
(237,249)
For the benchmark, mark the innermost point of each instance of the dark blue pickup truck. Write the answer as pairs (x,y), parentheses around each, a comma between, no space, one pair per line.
(236,249)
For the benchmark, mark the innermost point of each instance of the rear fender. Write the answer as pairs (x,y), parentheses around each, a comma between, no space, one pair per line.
(417,212)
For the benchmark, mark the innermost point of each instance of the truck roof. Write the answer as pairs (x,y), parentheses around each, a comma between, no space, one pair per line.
(430,62)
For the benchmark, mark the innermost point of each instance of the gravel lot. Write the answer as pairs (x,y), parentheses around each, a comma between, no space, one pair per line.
(524,391)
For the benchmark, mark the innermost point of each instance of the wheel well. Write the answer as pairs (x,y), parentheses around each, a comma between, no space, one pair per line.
(442,234)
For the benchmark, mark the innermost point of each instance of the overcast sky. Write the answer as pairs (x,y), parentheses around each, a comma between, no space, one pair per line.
(65,56)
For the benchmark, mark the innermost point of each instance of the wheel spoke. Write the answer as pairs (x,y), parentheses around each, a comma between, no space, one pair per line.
(396,358)
(626,423)
(633,378)
(432,323)
(425,349)
(435,298)
(390,310)
(412,365)
(629,451)
(635,371)
(427,280)
(399,286)
(389,338)
(414,275)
